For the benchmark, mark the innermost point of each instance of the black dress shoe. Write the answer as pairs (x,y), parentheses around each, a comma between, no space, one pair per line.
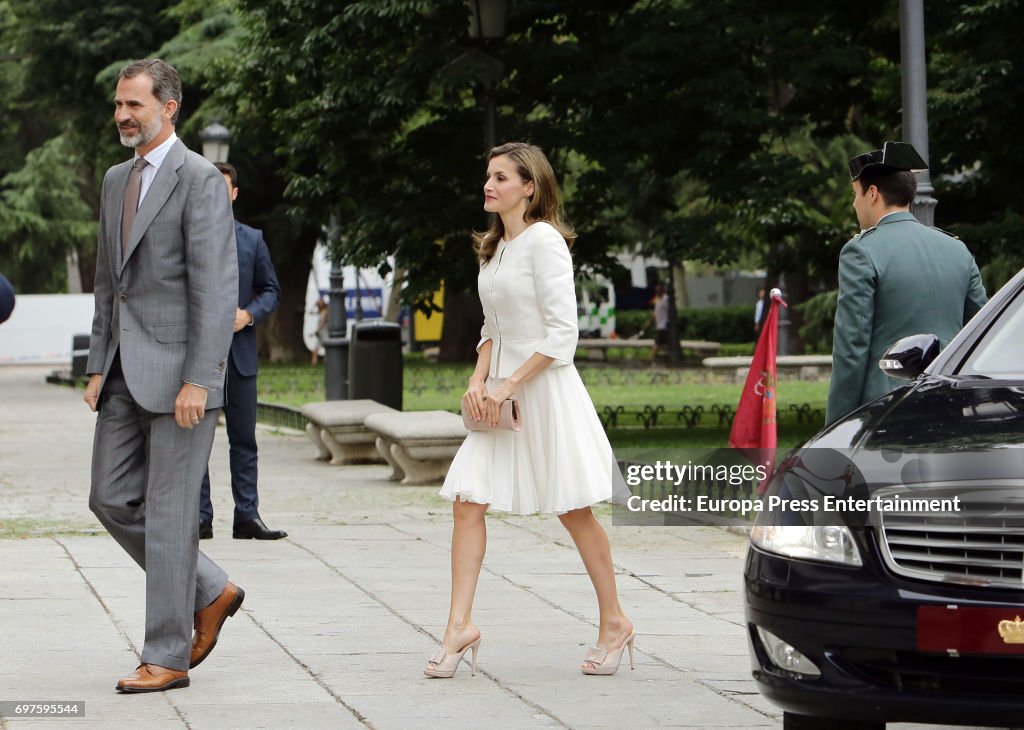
(205,530)
(256,530)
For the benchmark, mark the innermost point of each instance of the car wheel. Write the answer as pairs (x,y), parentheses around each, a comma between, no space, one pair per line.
(803,722)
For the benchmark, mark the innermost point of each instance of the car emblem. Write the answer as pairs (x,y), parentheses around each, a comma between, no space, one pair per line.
(1012,632)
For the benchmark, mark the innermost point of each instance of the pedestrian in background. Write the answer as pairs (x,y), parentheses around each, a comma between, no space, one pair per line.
(165,292)
(659,318)
(897,277)
(258,293)
(561,461)
(758,311)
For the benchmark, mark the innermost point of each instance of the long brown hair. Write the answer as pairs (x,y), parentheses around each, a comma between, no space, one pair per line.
(544,205)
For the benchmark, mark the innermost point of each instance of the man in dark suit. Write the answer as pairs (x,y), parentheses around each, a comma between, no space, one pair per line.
(258,293)
(897,277)
(6,298)
(166,278)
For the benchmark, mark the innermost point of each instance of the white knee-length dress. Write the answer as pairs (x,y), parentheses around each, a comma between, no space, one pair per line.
(561,459)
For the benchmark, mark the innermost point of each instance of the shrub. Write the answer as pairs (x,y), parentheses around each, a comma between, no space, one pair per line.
(632,321)
(819,320)
(717,324)
(736,349)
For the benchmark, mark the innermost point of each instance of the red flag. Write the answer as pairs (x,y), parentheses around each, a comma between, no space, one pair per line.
(754,424)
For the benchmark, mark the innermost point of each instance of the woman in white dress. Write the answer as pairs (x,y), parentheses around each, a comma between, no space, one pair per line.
(560,461)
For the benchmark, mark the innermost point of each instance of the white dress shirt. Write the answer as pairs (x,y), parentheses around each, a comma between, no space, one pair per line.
(155,158)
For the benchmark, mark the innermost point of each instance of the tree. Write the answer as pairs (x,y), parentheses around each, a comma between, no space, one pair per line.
(976,99)
(43,217)
(371,117)
(58,137)
(635,102)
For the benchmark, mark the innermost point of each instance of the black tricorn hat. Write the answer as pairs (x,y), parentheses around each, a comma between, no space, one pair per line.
(893,157)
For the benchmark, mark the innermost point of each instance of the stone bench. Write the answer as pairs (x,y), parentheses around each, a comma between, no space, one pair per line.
(419,445)
(806,367)
(597,348)
(337,429)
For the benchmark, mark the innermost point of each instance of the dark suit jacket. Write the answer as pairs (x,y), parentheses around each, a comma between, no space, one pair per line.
(258,293)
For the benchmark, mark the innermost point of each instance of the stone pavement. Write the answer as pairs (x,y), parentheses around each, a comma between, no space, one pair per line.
(340,618)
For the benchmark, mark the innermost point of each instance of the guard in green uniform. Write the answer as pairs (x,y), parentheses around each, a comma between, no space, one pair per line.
(897,277)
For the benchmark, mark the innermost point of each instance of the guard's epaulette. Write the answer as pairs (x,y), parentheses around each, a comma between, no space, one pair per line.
(951,235)
(863,233)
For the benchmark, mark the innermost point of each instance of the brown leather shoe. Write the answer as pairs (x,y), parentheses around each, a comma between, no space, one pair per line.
(152,678)
(209,620)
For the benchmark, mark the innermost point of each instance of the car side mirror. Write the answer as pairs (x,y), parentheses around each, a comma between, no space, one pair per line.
(909,357)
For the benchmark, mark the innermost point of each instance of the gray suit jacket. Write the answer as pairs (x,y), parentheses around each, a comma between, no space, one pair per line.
(169,306)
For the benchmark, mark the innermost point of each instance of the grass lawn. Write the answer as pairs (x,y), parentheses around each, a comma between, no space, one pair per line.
(432,386)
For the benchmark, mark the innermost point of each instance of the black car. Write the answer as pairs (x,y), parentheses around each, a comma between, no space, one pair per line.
(907,605)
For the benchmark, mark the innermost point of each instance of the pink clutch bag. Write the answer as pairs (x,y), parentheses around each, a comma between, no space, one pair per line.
(510,418)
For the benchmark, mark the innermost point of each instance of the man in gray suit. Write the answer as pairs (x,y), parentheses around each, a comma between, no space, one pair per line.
(897,277)
(166,286)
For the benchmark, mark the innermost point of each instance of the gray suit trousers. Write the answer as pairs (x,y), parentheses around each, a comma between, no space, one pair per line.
(146,493)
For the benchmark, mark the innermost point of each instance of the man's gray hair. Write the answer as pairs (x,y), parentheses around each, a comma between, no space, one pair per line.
(166,82)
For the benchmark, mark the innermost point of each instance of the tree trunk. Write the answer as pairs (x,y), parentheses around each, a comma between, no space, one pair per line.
(393,310)
(797,291)
(463,318)
(281,335)
(679,278)
(795,287)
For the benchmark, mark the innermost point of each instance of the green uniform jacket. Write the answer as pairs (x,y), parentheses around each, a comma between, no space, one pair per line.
(897,279)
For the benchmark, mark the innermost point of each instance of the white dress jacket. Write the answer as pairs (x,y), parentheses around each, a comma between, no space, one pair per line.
(561,459)
(529,300)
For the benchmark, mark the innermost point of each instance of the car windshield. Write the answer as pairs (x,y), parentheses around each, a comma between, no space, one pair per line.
(1000,352)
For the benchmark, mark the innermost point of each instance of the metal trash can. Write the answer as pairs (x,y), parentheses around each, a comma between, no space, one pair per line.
(79,355)
(375,363)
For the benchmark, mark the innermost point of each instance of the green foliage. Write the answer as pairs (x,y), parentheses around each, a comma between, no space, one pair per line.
(716,324)
(704,131)
(671,122)
(434,386)
(57,135)
(819,314)
(369,108)
(429,386)
(43,217)
(737,349)
(630,322)
(976,77)
(206,37)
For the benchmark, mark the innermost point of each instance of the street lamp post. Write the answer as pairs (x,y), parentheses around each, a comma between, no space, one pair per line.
(915,101)
(216,139)
(336,344)
(486,28)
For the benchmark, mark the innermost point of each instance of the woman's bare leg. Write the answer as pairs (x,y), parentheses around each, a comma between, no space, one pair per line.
(592,543)
(469,543)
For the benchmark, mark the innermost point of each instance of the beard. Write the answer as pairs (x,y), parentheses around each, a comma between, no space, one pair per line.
(145,134)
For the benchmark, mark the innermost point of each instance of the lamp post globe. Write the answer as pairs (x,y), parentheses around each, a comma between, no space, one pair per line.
(487,19)
(216,139)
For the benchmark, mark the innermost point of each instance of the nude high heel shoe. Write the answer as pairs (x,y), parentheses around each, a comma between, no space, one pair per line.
(444,663)
(603,661)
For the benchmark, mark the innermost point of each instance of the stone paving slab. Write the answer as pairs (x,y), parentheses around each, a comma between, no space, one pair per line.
(340,618)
